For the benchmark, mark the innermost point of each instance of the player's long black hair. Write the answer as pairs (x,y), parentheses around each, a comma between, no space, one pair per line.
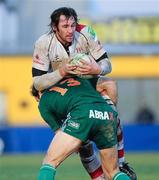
(66,11)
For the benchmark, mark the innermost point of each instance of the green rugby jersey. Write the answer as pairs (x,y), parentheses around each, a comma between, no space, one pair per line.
(68,94)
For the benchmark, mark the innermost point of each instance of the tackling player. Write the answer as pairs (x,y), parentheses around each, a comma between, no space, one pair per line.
(53,49)
(87,116)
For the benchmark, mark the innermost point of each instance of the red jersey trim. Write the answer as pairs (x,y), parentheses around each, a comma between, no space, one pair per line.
(79,27)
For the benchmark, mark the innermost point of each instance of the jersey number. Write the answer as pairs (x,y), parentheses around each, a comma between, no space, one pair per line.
(69,81)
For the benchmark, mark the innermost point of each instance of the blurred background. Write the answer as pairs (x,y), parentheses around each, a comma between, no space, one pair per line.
(129,31)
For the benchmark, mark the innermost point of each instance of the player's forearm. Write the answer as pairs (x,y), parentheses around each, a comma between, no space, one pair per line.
(44,81)
(105,65)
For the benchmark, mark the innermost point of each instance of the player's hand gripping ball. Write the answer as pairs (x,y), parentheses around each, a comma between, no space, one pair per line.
(76,60)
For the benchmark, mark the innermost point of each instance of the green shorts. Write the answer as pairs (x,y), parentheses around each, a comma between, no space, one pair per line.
(97,122)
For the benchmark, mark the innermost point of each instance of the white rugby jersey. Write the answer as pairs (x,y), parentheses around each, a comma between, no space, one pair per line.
(49,51)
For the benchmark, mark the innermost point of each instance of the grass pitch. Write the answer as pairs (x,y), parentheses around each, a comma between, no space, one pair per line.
(26,167)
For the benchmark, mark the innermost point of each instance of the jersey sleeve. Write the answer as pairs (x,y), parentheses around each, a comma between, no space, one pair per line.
(49,117)
(95,47)
(40,55)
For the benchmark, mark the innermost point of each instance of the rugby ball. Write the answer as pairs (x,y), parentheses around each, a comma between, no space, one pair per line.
(76,60)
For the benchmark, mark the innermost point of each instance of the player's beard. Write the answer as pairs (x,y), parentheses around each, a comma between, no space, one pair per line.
(67,40)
